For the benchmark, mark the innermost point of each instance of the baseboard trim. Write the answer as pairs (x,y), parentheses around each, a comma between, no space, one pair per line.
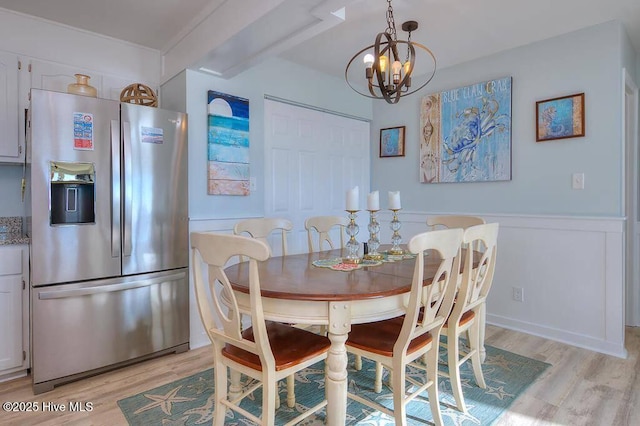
(558,335)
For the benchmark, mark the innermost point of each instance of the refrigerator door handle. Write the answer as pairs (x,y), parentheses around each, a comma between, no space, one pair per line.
(126,135)
(115,189)
(86,291)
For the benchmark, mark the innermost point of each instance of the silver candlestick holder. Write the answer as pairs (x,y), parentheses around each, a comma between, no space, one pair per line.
(396,239)
(352,245)
(374,242)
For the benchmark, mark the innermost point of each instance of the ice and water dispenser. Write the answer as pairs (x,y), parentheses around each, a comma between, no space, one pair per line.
(72,193)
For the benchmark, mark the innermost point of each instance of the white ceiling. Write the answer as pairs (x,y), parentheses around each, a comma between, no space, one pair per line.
(455,30)
(151,23)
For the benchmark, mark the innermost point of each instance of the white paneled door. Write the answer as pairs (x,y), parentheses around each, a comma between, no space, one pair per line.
(312,158)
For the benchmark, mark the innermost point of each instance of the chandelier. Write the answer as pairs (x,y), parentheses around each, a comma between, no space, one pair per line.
(388,75)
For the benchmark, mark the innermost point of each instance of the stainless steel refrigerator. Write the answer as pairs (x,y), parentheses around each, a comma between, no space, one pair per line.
(109,235)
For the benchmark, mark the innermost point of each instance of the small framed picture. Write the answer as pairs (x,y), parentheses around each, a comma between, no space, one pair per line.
(392,142)
(560,118)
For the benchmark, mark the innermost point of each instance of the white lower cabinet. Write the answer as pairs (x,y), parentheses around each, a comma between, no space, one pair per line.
(14,311)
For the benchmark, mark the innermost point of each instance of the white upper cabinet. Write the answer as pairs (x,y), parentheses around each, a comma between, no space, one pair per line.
(10,146)
(113,86)
(57,77)
(53,76)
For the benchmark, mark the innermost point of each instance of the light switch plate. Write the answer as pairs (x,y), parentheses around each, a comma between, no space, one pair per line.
(577,181)
(252,183)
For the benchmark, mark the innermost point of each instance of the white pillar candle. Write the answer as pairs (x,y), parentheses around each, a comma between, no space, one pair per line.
(373,201)
(394,200)
(352,199)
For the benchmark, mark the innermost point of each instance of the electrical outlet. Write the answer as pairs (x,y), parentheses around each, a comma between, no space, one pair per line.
(518,294)
(577,181)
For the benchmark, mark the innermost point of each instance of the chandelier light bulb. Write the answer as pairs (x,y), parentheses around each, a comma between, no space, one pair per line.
(368,60)
(396,67)
(383,63)
(368,63)
(407,73)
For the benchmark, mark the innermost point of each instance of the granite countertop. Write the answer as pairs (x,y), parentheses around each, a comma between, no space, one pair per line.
(11,231)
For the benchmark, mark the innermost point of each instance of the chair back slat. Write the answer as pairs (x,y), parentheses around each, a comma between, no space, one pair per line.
(229,316)
(322,225)
(476,281)
(262,228)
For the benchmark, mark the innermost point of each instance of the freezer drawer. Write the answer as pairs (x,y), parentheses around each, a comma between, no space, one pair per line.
(77,328)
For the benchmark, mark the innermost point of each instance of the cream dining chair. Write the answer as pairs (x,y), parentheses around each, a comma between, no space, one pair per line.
(435,223)
(262,228)
(470,300)
(454,221)
(321,226)
(399,342)
(267,351)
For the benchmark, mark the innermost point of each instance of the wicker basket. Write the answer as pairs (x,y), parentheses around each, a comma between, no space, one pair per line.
(139,94)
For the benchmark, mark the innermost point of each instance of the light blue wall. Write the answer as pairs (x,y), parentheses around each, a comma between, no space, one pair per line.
(173,94)
(629,55)
(588,60)
(277,78)
(10,195)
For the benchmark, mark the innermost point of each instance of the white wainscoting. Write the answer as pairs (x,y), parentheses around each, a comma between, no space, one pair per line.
(571,270)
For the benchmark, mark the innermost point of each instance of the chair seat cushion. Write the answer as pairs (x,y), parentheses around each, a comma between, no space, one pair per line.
(465,318)
(379,337)
(290,346)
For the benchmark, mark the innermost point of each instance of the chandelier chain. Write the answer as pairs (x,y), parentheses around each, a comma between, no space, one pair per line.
(391,23)
(408,44)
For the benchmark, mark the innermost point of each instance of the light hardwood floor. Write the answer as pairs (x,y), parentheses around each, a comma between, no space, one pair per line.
(580,388)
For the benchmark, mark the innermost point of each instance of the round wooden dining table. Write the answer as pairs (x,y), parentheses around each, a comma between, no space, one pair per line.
(295,291)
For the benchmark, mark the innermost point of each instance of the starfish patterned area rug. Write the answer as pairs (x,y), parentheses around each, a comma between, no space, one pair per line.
(190,401)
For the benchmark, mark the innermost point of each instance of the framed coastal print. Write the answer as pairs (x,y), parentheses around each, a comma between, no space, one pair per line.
(392,142)
(227,144)
(560,118)
(465,133)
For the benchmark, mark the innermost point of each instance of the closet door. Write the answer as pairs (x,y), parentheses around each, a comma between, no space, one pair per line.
(312,159)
